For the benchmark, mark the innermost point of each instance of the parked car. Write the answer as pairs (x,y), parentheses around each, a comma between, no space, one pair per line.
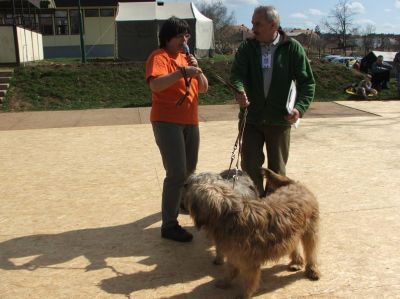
(330,57)
(348,61)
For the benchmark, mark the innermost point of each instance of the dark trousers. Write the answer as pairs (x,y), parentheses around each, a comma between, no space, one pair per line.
(277,142)
(380,80)
(179,148)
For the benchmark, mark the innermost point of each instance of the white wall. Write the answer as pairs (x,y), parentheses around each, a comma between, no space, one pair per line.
(30,45)
(7,53)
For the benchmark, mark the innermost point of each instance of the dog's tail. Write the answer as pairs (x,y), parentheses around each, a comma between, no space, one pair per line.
(274,180)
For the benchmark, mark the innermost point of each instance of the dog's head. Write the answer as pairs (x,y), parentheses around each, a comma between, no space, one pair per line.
(209,199)
(274,180)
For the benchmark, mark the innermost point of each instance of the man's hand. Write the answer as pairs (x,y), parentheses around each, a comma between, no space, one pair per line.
(293,117)
(242,100)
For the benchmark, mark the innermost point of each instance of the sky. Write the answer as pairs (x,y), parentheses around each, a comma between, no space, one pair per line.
(384,15)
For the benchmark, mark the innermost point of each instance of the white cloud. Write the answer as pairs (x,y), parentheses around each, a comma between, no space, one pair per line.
(387,10)
(397,4)
(364,22)
(356,7)
(316,12)
(298,15)
(310,25)
(241,2)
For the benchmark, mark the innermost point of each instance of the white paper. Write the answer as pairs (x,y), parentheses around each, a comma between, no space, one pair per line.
(291,101)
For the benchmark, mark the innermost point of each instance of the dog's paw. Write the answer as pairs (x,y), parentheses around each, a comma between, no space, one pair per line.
(312,273)
(295,267)
(222,284)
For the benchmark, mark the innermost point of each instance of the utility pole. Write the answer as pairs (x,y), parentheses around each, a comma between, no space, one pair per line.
(83,51)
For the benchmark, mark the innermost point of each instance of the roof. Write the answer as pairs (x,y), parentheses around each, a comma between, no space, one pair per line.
(141,11)
(87,3)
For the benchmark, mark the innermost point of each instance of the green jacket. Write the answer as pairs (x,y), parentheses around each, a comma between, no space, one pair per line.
(289,62)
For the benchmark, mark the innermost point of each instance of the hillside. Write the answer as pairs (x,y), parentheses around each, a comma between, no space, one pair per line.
(65,86)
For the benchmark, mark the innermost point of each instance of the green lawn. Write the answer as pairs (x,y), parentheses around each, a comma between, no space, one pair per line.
(66,84)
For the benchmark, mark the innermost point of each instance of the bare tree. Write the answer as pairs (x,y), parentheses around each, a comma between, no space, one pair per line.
(368,34)
(222,18)
(340,22)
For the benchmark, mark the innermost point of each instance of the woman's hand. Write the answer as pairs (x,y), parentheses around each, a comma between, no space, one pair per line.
(192,61)
(191,71)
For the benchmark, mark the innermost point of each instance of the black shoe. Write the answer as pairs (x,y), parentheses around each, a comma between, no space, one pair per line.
(176,233)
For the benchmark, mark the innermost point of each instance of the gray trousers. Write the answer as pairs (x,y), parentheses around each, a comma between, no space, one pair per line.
(179,148)
(277,142)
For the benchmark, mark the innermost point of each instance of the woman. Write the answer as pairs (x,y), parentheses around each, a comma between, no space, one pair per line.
(175,81)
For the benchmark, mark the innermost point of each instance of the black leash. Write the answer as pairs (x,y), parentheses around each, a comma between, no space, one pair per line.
(238,146)
(187,85)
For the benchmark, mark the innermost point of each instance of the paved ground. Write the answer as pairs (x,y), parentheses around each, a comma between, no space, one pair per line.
(80,201)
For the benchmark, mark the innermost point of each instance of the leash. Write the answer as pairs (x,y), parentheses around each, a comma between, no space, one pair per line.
(187,86)
(239,138)
(238,146)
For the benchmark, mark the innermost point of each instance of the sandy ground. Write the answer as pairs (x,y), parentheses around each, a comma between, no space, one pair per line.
(80,206)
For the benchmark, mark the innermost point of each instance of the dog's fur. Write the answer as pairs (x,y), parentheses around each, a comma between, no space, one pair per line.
(249,231)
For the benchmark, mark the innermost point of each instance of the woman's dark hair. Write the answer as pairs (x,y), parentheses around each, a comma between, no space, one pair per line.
(171,28)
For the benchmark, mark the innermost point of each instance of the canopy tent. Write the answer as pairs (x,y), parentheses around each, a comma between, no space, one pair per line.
(370,58)
(138,25)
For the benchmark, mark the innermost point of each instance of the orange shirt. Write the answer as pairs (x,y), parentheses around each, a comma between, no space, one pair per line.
(163,106)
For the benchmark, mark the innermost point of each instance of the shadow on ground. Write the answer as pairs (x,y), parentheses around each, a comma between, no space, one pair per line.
(170,263)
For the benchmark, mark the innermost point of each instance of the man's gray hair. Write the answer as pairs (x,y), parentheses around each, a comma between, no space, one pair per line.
(270,13)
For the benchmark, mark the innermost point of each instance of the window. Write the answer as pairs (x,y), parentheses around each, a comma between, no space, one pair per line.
(30,21)
(74,21)
(61,22)
(10,19)
(91,13)
(106,12)
(46,24)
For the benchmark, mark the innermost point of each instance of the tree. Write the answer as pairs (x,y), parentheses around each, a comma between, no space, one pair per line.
(368,34)
(317,30)
(340,22)
(218,12)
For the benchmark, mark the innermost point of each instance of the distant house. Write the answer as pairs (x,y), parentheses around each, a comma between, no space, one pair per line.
(230,37)
(304,36)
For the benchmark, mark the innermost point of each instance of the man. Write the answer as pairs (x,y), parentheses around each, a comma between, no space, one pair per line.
(396,66)
(263,70)
(380,73)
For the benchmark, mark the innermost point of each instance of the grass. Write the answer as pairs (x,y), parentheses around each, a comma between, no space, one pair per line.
(65,84)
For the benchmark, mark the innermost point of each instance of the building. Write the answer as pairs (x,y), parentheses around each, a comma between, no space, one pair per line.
(58,24)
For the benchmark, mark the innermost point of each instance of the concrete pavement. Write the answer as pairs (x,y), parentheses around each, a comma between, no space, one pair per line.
(80,205)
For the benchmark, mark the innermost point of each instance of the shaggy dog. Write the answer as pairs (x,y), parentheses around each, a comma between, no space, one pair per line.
(249,231)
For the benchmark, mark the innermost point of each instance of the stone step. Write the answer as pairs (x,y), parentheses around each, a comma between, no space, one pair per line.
(3,93)
(1,100)
(4,86)
(6,73)
(4,79)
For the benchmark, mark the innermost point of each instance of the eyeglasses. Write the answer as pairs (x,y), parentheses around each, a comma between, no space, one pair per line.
(184,35)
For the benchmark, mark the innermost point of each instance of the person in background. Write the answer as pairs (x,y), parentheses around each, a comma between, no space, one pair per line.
(175,80)
(356,65)
(396,66)
(365,87)
(263,70)
(380,71)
